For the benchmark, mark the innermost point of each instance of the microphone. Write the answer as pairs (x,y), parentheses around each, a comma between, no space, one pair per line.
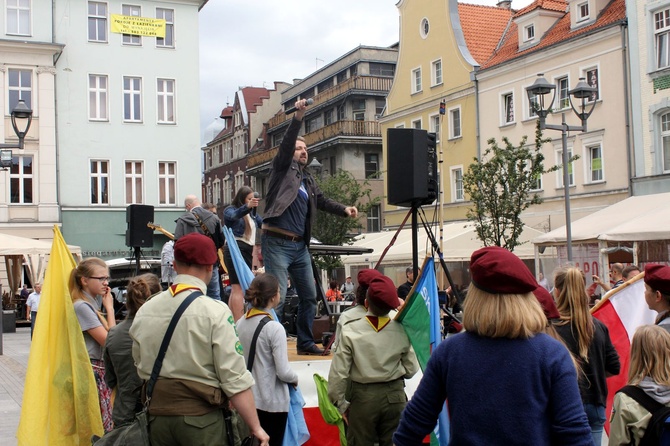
(253,210)
(310,101)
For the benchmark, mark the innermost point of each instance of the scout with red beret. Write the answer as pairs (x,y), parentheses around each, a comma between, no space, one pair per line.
(657,292)
(367,375)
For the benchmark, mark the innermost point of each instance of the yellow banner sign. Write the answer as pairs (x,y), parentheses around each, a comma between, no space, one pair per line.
(138,26)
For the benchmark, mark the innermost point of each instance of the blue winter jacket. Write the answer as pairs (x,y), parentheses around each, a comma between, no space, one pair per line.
(234,218)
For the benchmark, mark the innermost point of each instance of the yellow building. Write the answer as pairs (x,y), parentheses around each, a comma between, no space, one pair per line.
(441,44)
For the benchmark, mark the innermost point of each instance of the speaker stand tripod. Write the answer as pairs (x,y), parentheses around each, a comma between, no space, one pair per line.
(137,253)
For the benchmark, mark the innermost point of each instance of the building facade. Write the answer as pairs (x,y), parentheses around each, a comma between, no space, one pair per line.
(28,189)
(128,122)
(649,23)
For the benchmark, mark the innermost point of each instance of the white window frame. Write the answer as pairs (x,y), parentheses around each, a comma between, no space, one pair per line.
(529,32)
(129,96)
(24,92)
(531,113)
(417,123)
(664,132)
(165,100)
(371,158)
(14,14)
(558,80)
(131,180)
(588,149)
(559,163)
(21,176)
(456,182)
(167,183)
(588,74)
(455,131)
(660,24)
(97,19)
(505,117)
(227,190)
(132,11)
(168,41)
(539,184)
(580,11)
(434,125)
(417,86)
(98,98)
(99,177)
(436,73)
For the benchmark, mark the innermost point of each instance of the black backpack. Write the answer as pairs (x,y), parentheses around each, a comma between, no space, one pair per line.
(658,430)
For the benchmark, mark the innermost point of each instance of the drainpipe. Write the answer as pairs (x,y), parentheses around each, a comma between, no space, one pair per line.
(473,77)
(626,86)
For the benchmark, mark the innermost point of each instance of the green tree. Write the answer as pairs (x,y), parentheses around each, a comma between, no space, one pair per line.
(334,230)
(500,187)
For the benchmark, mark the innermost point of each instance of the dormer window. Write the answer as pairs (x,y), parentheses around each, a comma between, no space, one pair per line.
(583,11)
(529,33)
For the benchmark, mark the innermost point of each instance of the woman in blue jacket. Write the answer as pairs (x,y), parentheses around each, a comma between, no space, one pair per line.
(242,219)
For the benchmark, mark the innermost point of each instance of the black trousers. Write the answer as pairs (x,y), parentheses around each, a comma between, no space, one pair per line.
(274,424)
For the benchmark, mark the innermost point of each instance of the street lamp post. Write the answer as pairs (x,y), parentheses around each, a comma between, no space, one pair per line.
(20,114)
(315,166)
(582,92)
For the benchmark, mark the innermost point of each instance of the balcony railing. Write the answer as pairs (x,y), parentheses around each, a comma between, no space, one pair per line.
(339,128)
(365,83)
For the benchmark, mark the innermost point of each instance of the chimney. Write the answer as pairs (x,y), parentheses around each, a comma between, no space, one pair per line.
(504,4)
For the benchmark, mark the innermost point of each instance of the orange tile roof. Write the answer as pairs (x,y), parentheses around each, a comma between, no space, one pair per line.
(253,97)
(482,40)
(614,12)
(549,5)
(227,112)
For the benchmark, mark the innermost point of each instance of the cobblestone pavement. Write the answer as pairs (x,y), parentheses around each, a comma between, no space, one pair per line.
(13,364)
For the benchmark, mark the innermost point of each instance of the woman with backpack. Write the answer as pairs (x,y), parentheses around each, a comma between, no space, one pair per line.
(589,342)
(649,372)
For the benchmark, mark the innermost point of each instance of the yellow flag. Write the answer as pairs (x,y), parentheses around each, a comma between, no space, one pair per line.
(60,398)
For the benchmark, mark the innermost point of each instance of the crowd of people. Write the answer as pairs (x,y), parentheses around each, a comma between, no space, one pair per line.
(530,366)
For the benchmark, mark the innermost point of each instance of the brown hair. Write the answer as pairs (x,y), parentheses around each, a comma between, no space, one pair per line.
(573,305)
(262,289)
(139,289)
(650,355)
(85,269)
(514,316)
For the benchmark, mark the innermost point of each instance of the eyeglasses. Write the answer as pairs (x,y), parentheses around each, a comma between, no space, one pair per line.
(101,279)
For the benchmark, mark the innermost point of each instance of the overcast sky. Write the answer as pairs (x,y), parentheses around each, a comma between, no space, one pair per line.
(256,42)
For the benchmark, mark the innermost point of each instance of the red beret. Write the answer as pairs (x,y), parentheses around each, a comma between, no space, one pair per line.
(495,270)
(382,292)
(548,305)
(196,249)
(657,277)
(366,275)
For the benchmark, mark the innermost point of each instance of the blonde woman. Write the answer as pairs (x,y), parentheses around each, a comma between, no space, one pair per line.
(120,370)
(89,282)
(650,371)
(505,381)
(589,341)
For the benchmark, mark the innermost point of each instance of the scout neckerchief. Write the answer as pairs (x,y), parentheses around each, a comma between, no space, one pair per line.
(257,312)
(179,287)
(378,322)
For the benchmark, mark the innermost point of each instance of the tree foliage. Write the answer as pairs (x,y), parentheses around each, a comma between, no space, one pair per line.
(335,230)
(501,186)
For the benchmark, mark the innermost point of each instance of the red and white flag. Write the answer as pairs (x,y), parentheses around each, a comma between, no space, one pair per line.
(622,310)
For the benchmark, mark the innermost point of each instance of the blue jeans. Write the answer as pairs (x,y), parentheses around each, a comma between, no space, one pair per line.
(596,416)
(282,257)
(214,285)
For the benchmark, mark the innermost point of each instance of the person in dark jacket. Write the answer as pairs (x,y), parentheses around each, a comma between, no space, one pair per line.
(292,201)
(405,288)
(120,370)
(589,342)
(197,219)
(242,219)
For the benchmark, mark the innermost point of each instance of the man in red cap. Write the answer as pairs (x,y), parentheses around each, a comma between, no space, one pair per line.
(657,292)
(367,375)
(204,366)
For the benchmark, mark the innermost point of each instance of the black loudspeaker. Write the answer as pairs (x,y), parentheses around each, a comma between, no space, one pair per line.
(412,167)
(138,234)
